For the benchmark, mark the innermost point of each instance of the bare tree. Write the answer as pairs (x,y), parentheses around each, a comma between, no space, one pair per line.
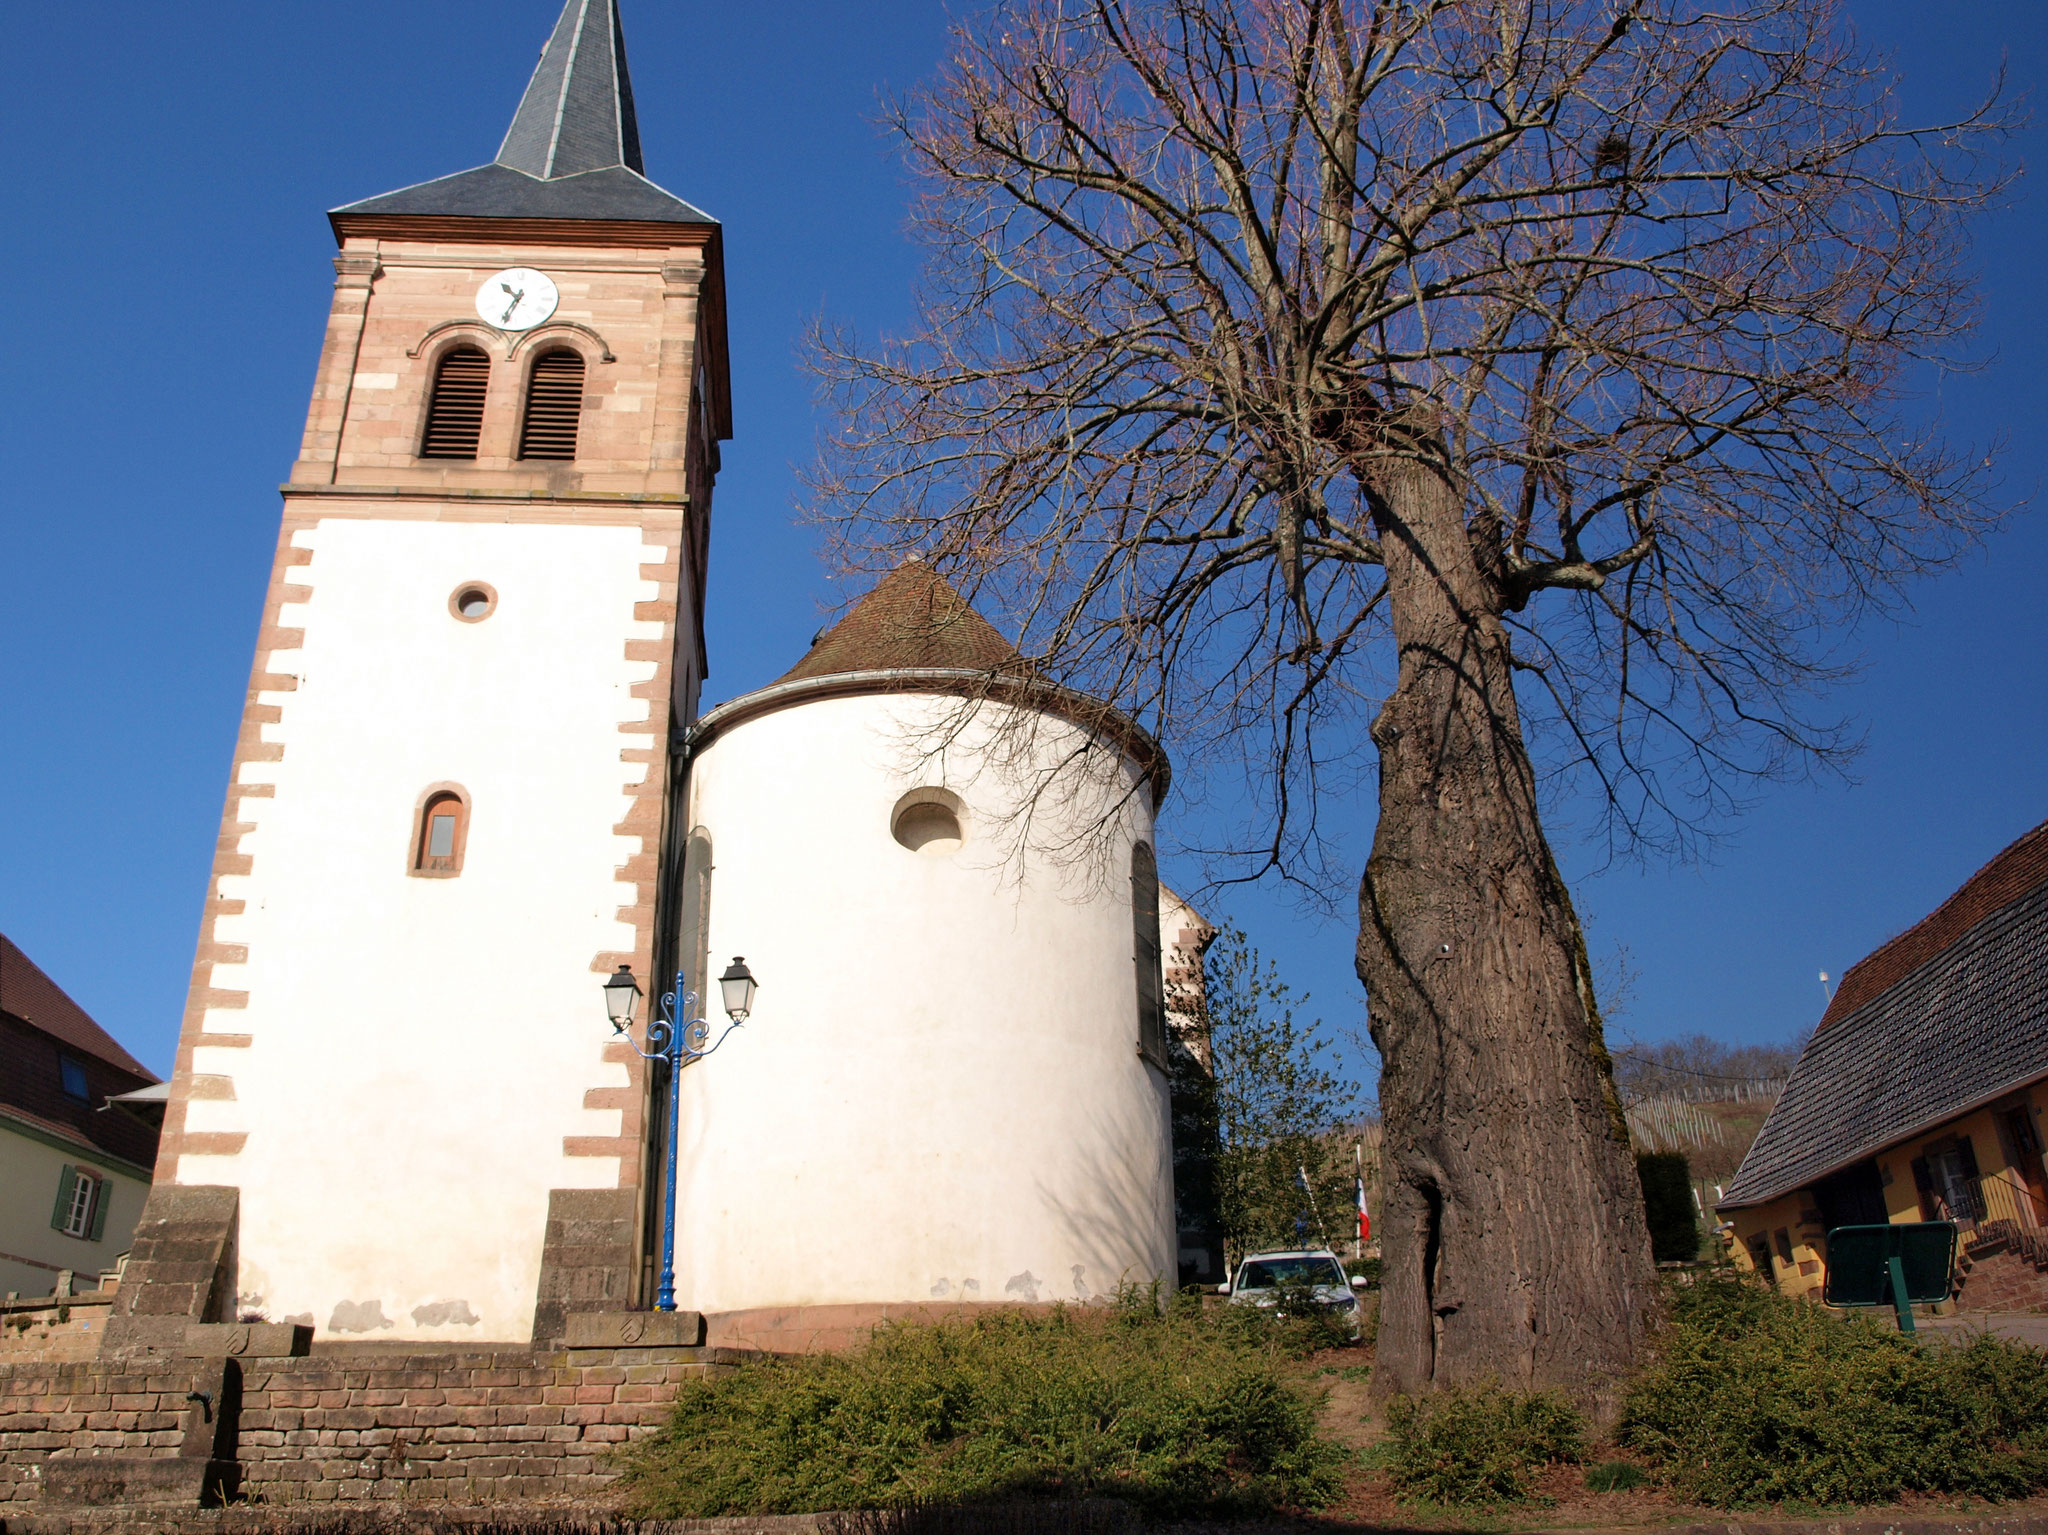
(1461,387)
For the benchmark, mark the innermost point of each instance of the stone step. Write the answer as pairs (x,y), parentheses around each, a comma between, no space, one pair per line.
(130,1481)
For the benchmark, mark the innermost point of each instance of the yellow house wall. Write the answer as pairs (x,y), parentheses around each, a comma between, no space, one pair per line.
(1902,1197)
(1793,1214)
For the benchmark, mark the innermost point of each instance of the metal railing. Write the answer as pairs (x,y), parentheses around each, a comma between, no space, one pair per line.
(1998,1197)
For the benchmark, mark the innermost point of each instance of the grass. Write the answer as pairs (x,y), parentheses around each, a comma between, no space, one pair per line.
(1169,1409)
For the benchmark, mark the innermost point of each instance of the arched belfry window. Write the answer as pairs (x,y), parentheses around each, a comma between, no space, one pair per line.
(1145,954)
(554,401)
(455,412)
(441,834)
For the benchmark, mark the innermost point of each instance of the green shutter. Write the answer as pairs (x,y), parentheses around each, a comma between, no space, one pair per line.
(100,1194)
(66,1182)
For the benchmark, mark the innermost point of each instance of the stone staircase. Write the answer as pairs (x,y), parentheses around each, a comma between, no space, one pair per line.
(2003,1267)
(174,1407)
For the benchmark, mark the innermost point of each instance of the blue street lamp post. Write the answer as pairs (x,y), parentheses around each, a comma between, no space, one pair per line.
(678,1040)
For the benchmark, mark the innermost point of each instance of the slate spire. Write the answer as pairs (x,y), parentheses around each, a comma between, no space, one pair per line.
(577,113)
(573,151)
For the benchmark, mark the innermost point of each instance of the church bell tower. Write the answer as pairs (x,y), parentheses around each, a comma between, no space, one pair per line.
(448,810)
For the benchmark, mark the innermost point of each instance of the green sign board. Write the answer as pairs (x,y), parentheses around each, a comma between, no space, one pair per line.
(1896,1266)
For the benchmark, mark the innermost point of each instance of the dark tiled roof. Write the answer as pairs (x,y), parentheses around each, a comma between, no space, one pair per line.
(912,620)
(499,192)
(2020,868)
(36,999)
(39,1026)
(1962,1016)
(573,150)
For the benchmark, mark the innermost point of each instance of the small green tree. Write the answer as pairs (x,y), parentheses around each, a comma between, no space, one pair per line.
(1267,1103)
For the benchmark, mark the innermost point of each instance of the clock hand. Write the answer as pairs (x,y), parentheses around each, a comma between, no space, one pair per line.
(516,297)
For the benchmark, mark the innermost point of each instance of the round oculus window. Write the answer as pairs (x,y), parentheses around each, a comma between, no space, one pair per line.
(473,601)
(930,822)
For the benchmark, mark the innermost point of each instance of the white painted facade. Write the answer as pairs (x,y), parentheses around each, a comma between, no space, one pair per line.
(939,1095)
(418,1048)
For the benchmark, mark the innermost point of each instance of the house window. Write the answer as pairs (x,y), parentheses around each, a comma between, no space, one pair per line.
(1145,954)
(554,401)
(81,1209)
(441,834)
(455,413)
(72,1070)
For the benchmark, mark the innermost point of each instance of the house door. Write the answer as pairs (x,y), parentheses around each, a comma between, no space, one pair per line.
(2025,1141)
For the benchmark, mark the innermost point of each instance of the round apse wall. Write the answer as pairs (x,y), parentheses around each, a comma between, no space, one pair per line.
(931,822)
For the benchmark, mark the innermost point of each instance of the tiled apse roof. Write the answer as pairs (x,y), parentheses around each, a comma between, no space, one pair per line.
(1960,1017)
(36,999)
(912,620)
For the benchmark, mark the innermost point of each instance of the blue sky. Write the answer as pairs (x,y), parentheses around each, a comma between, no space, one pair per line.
(166,281)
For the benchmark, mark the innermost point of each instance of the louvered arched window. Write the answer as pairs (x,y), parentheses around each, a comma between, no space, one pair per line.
(455,413)
(554,399)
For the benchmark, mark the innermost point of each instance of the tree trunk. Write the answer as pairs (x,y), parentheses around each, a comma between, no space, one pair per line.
(1513,1221)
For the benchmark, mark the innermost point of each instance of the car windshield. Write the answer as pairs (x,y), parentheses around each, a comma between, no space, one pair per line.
(1273,1273)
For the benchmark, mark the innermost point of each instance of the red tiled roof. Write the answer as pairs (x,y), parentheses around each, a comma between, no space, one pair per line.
(36,999)
(2019,870)
(912,620)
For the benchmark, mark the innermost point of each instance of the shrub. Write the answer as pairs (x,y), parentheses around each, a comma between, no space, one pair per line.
(1479,1445)
(1298,1323)
(1169,1411)
(1756,1398)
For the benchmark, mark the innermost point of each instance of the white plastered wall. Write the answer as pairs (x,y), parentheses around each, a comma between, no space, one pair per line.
(939,1095)
(420,1047)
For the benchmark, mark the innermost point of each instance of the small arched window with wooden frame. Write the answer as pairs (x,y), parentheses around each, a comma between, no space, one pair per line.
(1146,955)
(440,833)
(455,409)
(554,405)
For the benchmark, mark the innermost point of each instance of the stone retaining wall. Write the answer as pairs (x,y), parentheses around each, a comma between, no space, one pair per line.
(2001,1280)
(54,1329)
(473,1427)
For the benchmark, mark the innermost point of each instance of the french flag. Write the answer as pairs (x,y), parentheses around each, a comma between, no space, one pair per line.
(1364,1215)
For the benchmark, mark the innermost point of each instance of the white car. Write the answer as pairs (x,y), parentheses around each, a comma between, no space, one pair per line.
(1263,1277)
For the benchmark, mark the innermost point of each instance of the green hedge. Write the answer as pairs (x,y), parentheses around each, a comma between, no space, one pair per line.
(1757,1398)
(1170,1411)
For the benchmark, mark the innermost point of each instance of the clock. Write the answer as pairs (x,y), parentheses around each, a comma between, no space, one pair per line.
(517,298)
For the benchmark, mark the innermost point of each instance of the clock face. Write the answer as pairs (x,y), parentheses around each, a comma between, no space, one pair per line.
(517,298)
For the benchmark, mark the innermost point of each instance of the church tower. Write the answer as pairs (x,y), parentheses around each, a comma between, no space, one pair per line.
(449,805)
